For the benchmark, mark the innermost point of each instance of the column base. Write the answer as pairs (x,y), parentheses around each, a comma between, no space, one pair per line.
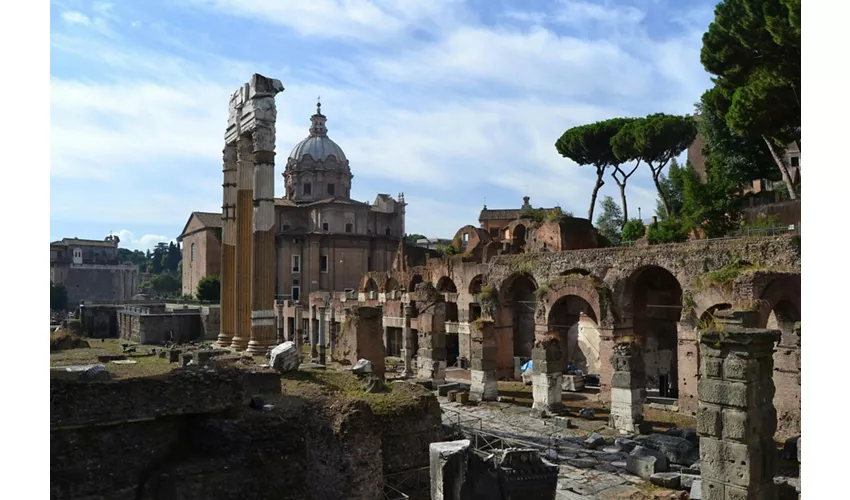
(258,348)
(239,343)
(224,340)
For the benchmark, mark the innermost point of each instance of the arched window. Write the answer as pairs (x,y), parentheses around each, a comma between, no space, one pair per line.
(349,227)
(78,256)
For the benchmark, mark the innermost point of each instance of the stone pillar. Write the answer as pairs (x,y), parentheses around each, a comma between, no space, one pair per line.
(484,384)
(431,362)
(407,341)
(244,254)
(314,336)
(449,470)
(299,328)
(263,265)
(628,387)
(228,248)
(736,420)
(548,365)
(321,335)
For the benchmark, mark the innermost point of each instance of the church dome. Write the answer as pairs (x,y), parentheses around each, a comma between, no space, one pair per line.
(318,145)
(319,148)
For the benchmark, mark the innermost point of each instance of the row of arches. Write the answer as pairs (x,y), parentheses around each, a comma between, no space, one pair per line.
(649,304)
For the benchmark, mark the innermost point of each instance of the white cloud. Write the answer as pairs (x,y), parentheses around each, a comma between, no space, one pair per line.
(147,241)
(362,20)
(72,17)
(446,120)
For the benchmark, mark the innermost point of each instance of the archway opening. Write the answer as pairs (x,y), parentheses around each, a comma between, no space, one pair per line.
(518,237)
(657,308)
(392,285)
(573,320)
(446,285)
(371,286)
(417,278)
(782,317)
(707,319)
(523,304)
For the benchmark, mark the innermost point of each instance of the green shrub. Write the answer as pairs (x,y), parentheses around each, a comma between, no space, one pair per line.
(209,288)
(633,230)
(670,230)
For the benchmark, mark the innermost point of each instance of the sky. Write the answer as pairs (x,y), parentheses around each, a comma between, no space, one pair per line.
(455,103)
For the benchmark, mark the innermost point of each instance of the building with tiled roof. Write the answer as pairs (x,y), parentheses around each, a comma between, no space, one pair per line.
(201,247)
(91,270)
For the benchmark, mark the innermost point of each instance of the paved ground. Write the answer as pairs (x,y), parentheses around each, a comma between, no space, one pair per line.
(584,473)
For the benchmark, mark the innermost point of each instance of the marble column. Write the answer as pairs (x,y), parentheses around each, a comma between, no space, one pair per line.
(321,335)
(228,248)
(407,341)
(244,253)
(263,244)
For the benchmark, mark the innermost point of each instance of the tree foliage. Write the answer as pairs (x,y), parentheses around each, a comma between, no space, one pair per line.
(670,230)
(610,220)
(591,145)
(411,239)
(58,297)
(633,230)
(165,284)
(753,47)
(656,140)
(209,288)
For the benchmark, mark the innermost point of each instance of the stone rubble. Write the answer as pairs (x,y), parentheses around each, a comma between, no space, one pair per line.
(285,357)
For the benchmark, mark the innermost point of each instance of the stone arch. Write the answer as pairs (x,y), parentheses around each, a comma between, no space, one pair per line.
(518,236)
(370,285)
(779,306)
(391,285)
(518,309)
(574,321)
(414,280)
(476,284)
(446,285)
(575,270)
(707,316)
(652,299)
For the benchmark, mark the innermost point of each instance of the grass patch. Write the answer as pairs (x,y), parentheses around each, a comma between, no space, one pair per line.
(331,384)
(144,366)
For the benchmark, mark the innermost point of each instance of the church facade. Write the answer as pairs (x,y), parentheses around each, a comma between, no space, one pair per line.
(325,240)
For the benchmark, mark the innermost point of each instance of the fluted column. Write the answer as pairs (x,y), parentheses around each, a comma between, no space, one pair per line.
(407,339)
(244,253)
(228,247)
(263,263)
(299,328)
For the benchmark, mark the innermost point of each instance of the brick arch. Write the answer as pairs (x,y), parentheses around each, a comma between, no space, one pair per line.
(415,279)
(507,283)
(391,284)
(476,283)
(710,298)
(784,288)
(624,288)
(577,287)
(379,278)
(446,284)
(369,283)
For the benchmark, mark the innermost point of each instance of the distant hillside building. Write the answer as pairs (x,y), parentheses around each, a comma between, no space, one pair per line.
(496,221)
(90,270)
(201,241)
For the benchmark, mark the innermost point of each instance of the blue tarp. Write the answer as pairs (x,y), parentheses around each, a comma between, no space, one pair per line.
(529,365)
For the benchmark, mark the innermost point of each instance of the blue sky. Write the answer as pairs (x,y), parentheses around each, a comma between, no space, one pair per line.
(449,101)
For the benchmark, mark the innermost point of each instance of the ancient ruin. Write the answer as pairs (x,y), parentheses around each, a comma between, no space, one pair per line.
(531,362)
(248,250)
